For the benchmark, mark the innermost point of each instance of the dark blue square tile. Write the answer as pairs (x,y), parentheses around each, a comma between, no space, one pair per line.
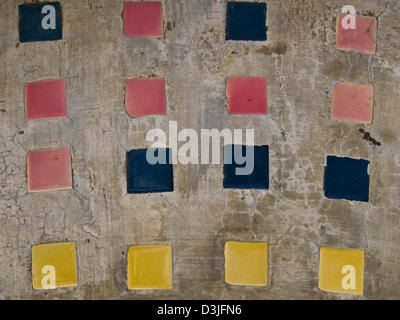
(246,21)
(258,178)
(346,178)
(144,177)
(40,22)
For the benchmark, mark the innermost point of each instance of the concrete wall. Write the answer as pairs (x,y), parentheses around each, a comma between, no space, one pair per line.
(302,64)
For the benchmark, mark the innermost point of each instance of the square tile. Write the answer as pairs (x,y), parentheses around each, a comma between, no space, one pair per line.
(145,97)
(363,38)
(352,102)
(49,170)
(247,95)
(256,174)
(143,19)
(341,271)
(246,263)
(150,267)
(45,99)
(54,266)
(346,178)
(40,22)
(246,21)
(144,176)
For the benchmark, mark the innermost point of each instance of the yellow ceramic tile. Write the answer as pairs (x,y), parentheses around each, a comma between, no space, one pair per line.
(341,271)
(150,267)
(246,263)
(54,266)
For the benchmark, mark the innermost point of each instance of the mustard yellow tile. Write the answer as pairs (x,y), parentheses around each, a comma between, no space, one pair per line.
(246,263)
(54,265)
(150,267)
(341,271)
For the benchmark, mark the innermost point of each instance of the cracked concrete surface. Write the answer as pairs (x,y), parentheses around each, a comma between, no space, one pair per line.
(302,65)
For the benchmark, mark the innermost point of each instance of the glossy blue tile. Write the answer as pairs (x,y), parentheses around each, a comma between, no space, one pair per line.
(256,158)
(246,21)
(40,22)
(144,177)
(346,178)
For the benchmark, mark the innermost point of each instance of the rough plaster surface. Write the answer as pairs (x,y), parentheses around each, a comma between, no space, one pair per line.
(302,65)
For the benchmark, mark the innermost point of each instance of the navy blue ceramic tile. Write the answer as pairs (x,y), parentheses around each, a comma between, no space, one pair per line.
(346,178)
(246,21)
(257,179)
(40,22)
(143,177)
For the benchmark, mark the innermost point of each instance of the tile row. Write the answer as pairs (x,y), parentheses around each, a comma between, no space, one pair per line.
(245,21)
(344,178)
(149,267)
(46,99)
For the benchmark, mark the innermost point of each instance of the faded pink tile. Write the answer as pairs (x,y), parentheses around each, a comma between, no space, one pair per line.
(145,97)
(45,99)
(247,95)
(353,102)
(363,38)
(49,170)
(143,19)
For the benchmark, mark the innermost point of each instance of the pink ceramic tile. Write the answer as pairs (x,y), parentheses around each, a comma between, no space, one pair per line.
(352,102)
(363,38)
(45,99)
(49,170)
(143,19)
(145,97)
(247,95)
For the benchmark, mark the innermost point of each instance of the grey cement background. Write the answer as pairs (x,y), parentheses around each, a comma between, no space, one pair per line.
(302,64)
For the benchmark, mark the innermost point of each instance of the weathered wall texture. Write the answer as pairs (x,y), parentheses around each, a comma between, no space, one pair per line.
(302,65)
